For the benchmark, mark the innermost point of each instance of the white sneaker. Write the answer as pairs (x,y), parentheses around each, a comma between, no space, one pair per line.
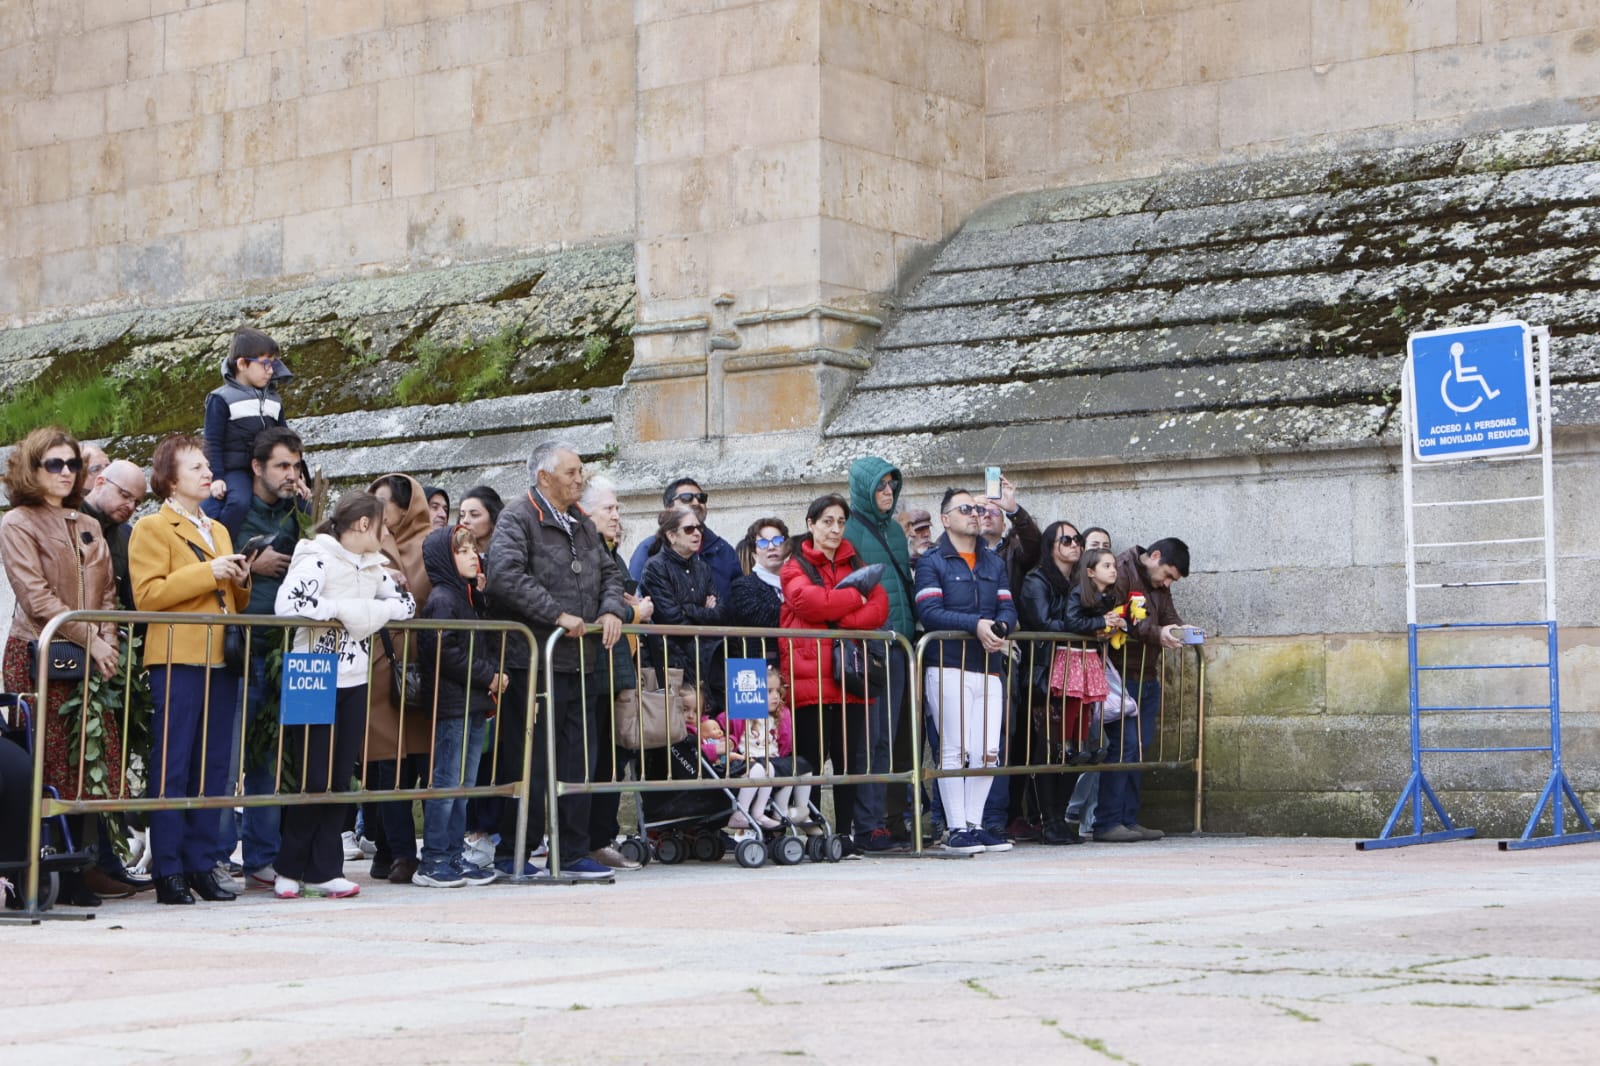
(352,849)
(542,850)
(285,887)
(266,877)
(334,888)
(225,879)
(479,851)
(368,848)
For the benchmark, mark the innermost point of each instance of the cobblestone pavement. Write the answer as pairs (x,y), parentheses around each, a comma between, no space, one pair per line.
(1193,951)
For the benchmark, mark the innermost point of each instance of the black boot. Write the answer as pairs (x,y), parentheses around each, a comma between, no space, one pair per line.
(173,889)
(1058,831)
(205,886)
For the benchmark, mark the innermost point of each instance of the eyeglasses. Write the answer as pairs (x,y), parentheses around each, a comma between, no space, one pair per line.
(131,497)
(770,542)
(55,466)
(689,529)
(1070,538)
(967,508)
(692,497)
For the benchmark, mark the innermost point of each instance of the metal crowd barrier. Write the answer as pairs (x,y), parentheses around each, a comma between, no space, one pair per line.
(130,798)
(678,767)
(1178,742)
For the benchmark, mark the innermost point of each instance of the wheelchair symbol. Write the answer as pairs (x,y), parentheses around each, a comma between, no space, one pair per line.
(1464,375)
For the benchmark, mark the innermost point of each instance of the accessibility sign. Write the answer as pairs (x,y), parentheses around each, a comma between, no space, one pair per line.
(1470,391)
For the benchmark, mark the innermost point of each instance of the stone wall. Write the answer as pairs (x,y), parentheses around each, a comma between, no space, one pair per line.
(1092,90)
(161,151)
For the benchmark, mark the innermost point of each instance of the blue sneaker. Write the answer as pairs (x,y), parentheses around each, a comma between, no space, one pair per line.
(963,842)
(503,866)
(473,874)
(585,869)
(991,840)
(438,875)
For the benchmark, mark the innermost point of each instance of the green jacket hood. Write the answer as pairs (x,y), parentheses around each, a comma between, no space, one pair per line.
(865,473)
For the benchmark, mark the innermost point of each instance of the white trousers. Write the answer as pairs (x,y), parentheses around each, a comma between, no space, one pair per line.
(968,709)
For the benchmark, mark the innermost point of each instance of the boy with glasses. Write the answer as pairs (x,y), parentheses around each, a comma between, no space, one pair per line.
(244,405)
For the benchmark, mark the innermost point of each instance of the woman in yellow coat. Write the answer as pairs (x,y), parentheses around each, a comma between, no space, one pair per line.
(181,560)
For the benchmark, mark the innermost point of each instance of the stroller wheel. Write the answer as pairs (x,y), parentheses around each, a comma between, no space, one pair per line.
(787,850)
(672,850)
(750,853)
(708,846)
(833,848)
(635,850)
(816,848)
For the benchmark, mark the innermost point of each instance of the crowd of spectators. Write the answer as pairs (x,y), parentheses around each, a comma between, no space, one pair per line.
(232,534)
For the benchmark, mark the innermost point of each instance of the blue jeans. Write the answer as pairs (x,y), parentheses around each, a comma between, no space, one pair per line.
(444,821)
(257,828)
(1129,742)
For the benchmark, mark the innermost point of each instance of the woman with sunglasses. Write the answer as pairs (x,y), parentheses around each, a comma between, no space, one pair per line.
(680,584)
(757,594)
(57,560)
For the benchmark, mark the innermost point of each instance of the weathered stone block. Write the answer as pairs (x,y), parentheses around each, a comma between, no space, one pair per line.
(770,401)
(1366,675)
(1237,40)
(337,121)
(1276,678)
(1343,30)
(1302,101)
(59,118)
(200,36)
(666,409)
(94,59)
(342,18)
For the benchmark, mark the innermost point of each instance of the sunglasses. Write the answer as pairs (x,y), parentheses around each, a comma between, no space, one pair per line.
(769,542)
(689,529)
(968,508)
(1069,539)
(55,466)
(692,497)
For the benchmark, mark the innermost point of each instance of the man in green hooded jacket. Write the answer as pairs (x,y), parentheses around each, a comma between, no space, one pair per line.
(878,538)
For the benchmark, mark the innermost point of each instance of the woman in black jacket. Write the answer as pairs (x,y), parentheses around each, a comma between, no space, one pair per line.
(679,583)
(758,595)
(462,678)
(1047,590)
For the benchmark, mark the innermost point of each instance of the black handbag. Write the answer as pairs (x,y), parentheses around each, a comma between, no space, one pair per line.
(68,661)
(860,668)
(407,681)
(233,638)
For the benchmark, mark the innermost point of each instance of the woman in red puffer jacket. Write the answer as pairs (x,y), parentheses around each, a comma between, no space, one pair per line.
(829,722)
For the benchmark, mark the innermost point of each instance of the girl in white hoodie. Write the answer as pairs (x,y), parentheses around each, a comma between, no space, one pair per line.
(341,575)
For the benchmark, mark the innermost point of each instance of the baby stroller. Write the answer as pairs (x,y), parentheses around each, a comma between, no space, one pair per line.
(678,825)
(56,845)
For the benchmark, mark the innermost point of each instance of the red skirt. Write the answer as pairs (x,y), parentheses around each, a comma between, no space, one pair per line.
(57,772)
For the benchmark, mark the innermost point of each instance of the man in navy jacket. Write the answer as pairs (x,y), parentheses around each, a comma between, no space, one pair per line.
(963,585)
(718,553)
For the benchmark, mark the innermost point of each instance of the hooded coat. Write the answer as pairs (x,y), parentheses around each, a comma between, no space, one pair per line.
(878,538)
(403,546)
(458,667)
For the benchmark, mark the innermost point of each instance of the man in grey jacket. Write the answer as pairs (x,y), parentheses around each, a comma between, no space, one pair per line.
(548,568)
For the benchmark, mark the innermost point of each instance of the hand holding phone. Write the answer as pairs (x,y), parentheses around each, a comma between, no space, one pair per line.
(254,546)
